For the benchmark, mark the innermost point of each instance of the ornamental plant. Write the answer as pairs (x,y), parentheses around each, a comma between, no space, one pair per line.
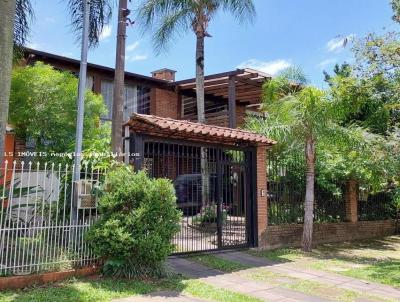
(138,221)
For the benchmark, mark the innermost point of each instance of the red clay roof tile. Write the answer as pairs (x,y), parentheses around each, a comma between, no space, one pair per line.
(207,132)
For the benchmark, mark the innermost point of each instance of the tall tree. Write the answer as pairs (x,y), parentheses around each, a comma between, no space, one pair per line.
(298,115)
(171,17)
(7,11)
(15,21)
(118,93)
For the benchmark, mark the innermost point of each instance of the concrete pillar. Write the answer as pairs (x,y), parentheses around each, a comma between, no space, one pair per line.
(351,200)
(261,196)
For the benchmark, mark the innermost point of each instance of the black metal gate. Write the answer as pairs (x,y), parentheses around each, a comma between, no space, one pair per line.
(212,188)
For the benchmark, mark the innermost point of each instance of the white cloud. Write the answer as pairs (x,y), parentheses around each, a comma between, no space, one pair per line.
(270,67)
(337,44)
(137,58)
(327,62)
(105,33)
(132,47)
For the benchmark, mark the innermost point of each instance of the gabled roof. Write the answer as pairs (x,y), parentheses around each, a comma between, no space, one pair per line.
(182,129)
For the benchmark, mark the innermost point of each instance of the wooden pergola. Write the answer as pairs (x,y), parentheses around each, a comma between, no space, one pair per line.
(241,86)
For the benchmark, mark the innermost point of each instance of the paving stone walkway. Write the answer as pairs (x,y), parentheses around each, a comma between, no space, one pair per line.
(162,296)
(273,292)
(233,282)
(291,270)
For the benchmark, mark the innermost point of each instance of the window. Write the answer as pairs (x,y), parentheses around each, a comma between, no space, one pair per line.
(107,90)
(143,105)
(89,83)
(130,102)
(136,99)
(189,107)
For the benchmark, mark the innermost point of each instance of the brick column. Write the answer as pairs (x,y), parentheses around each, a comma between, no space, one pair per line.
(261,195)
(351,200)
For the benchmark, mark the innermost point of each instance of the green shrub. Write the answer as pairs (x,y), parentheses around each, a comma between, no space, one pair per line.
(209,214)
(138,221)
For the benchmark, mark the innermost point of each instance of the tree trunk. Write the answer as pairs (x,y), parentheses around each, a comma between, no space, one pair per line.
(200,77)
(201,118)
(7,10)
(118,95)
(309,198)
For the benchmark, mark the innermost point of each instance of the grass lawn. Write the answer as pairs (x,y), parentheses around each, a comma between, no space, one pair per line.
(85,290)
(373,260)
(281,280)
(219,263)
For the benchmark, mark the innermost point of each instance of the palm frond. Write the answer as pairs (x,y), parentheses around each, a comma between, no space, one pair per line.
(243,10)
(166,19)
(100,15)
(179,19)
(24,16)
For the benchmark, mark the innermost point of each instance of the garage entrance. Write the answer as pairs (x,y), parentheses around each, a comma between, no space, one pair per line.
(215,184)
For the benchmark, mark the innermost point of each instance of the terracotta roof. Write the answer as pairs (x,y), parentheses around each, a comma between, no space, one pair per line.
(160,126)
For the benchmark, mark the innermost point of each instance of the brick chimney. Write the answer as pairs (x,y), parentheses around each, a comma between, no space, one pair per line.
(164,74)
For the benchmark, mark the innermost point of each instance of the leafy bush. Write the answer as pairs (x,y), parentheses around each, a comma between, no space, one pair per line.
(138,220)
(209,214)
(43,111)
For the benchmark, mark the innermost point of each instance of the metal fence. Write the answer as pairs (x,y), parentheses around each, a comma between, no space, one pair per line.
(376,206)
(286,192)
(44,216)
(211,185)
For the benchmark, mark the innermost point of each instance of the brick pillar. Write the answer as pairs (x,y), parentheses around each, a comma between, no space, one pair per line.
(262,211)
(351,200)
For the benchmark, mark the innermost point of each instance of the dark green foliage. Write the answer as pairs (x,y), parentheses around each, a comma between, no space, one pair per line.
(138,220)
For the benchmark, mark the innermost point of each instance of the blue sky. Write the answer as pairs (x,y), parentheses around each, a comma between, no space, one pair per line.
(307,33)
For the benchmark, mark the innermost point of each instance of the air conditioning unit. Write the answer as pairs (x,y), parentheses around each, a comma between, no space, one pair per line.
(87,197)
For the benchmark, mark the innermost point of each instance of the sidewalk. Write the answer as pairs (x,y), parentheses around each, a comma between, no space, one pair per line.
(270,291)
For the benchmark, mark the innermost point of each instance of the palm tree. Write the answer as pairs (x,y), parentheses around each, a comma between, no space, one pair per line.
(7,9)
(15,20)
(173,16)
(176,16)
(299,115)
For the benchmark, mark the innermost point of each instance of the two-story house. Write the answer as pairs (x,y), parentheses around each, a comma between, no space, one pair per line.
(228,95)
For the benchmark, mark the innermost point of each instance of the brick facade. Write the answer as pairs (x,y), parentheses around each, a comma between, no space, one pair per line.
(261,195)
(351,201)
(240,115)
(164,103)
(289,235)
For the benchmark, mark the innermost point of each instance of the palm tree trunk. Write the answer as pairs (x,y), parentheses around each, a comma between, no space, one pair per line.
(118,96)
(309,198)
(201,118)
(7,9)
(200,77)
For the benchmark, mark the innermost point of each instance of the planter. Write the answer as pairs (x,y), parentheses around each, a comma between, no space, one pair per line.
(15,282)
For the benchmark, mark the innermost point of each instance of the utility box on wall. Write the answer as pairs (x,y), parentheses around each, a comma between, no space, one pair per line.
(87,196)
